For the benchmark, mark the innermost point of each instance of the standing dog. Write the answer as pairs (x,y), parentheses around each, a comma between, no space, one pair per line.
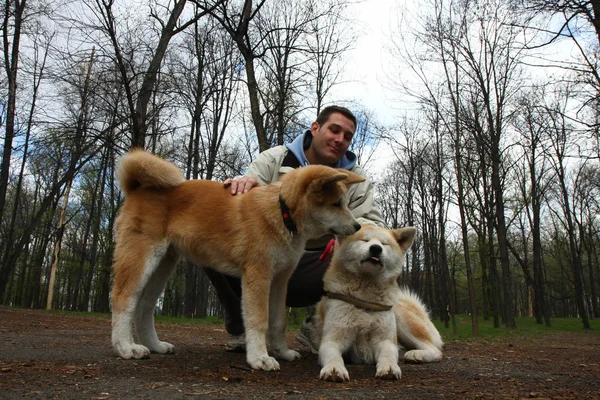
(365,316)
(258,236)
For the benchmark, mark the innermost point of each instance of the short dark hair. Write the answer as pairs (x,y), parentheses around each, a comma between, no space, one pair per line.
(327,111)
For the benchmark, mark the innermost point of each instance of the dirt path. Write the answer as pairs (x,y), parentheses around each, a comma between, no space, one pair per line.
(51,355)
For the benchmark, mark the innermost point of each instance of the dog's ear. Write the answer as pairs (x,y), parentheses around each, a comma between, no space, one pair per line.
(405,236)
(324,179)
(321,183)
(352,177)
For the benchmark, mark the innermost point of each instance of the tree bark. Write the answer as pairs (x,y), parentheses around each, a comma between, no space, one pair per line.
(59,236)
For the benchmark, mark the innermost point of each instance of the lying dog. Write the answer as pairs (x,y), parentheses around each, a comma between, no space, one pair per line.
(258,236)
(365,316)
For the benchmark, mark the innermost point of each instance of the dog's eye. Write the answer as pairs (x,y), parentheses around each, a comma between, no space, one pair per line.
(337,204)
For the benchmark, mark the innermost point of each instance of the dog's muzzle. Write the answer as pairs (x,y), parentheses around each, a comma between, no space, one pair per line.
(374,256)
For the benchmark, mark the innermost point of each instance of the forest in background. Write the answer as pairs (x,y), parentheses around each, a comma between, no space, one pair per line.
(495,161)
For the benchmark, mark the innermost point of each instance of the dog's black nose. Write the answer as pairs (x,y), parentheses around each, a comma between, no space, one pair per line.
(375,250)
(357,227)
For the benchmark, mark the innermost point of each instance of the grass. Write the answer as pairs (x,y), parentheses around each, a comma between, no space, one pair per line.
(80,313)
(192,321)
(525,327)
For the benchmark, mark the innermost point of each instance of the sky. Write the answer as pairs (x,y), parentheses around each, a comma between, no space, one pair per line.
(365,78)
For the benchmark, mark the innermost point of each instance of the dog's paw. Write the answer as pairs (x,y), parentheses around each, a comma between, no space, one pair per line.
(288,355)
(388,372)
(335,373)
(265,363)
(414,357)
(163,348)
(136,351)
(422,356)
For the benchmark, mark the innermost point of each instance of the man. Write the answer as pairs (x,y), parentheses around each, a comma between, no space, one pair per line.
(325,143)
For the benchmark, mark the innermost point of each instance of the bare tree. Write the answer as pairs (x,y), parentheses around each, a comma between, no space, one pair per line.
(367,137)
(282,25)
(560,146)
(534,183)
(12,25)
(77,149)
(138,100)
(239,21)
(578,17)
(269,40)
(328,39)
(39,71)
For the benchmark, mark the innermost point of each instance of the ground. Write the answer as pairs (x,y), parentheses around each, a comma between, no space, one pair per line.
(63,356)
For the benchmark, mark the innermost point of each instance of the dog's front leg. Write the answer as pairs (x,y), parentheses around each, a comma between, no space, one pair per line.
(256,282)
(277,317)
(387,360)
(334,343)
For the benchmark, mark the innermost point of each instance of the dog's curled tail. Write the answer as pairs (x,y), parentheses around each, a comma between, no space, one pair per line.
(413,305)
(139,168)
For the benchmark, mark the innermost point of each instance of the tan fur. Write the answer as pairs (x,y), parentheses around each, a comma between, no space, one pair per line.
(413,320)
(419,340)
(164,217)
(347,331)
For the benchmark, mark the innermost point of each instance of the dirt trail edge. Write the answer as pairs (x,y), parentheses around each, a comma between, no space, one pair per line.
(53,355)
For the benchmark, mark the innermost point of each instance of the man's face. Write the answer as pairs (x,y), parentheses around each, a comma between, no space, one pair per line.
(331,140)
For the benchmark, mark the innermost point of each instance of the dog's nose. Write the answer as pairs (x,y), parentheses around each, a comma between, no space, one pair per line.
(375,250)
(357,227)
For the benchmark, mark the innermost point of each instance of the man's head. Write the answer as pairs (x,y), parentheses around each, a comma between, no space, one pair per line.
(332,133)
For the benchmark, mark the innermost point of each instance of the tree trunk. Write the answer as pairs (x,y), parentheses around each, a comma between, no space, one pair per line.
(465,239)
(508,309)
(114,201)
(93,251)
(538,264)
(151,75)
(57,245)
(592,261)
(11,57)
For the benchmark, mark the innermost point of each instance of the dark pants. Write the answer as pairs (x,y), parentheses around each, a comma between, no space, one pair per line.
(305,288)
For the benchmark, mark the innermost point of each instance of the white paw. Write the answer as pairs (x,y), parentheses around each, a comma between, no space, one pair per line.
(163,348)
(388,372)
(334,372)
(423,356)
(265,363)
(136,351)
(287,355)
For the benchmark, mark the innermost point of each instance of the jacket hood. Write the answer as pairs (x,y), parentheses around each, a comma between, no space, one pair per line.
(302,142)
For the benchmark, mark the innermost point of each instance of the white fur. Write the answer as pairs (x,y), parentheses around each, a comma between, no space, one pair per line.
(365,336)
(411,348)
(141,306)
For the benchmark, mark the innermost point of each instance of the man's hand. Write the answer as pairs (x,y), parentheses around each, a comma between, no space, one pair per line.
(241,184)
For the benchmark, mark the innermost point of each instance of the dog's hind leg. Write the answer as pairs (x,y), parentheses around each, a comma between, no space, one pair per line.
(256,282)
(144,316)
(132,272)
(277,318)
